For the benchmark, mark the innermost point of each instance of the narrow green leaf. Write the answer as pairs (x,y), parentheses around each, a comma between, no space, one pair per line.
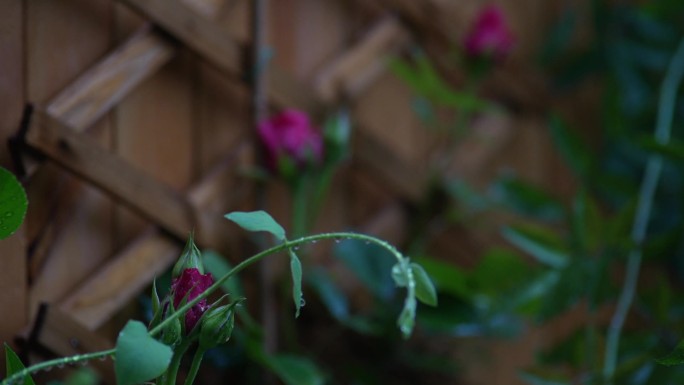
(675,357)
(425,289)
(156,304)
(13,203)
(527,242)
(296,269)
(14,365)
(257,221)
(139,357)
(295,370)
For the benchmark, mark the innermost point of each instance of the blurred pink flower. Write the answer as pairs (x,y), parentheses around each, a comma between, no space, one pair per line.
(291,134)
(490,36)
(190,284)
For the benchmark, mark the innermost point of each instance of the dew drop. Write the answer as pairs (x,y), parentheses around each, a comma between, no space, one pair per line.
(302,302)
(49,368)
(83,363)
(103,358)
(61,366)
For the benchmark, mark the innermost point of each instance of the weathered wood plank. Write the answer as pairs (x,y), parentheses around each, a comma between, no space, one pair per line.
(104,293)
(87,159)
(104,85)
(195,30)
(352,71)
(64,38)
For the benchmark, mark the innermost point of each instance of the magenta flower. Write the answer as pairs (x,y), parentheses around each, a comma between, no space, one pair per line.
(191,283)
(490,36)
(291,134)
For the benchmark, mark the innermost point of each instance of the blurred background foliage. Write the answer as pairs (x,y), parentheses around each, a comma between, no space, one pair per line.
(557,255)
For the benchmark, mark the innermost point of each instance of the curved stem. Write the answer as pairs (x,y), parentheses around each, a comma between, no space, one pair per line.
(668,96)
(196,361)
(56,362)
(273,250)
(239,267)
(169,378)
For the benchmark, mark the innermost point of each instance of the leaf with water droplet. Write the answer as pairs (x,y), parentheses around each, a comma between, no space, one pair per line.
(13,203)
(257,221)
(296,269)
(14,365)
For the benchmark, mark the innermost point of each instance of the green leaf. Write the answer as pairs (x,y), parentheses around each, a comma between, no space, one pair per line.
(139,357)
(156,304)
(13,203)
(296,269)
(257,221)
(14,365)
(425,289)
(676,357)
(295,370)
(535,242)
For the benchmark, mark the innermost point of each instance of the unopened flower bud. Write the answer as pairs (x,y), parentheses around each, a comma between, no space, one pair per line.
(189,259)
(172,333)
(217,325)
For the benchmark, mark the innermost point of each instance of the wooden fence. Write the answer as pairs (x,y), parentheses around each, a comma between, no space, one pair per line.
(139,131)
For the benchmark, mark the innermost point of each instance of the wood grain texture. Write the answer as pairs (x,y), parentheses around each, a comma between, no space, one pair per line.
(356,68)
(196,31)
(96,300)
(116,283)
(104,85)
(64,38)
(99,167)
(66,336)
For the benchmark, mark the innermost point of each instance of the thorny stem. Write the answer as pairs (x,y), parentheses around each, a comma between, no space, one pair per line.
(238,268)
(668,96)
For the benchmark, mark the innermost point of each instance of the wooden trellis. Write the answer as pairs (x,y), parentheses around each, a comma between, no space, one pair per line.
(55,132)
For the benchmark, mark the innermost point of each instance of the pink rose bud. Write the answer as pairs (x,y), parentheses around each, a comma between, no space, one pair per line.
(490,36)
(290,134)
(189,285)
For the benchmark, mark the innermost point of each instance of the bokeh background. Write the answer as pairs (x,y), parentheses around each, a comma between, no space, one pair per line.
(504,145)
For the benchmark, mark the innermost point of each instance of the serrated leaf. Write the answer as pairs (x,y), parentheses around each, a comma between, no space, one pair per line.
(139,357)
(257,221)
(425,289)
(13,203)
(296,270)
(675,357)
(295,370)
(14,365)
